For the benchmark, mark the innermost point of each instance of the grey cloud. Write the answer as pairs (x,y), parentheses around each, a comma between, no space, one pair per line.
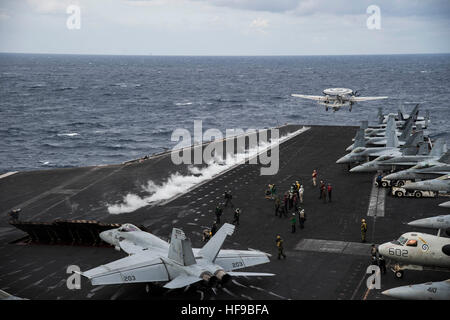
(351,7)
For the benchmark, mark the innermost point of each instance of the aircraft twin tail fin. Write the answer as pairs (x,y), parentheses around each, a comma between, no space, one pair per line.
(391,135)
(180,249)
(439,148)
(410,146)
(407,130)
(423,149)
(364,124)
(360,141)
(380,115)
(211,249)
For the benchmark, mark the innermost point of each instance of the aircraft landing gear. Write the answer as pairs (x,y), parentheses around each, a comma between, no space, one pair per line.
(397,270)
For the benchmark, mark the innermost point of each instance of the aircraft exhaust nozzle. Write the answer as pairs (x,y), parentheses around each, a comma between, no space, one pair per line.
(206,276)
(222,276)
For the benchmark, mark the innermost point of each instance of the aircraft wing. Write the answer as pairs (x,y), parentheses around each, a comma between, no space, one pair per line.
(237,259)
(357,99)
(133,269)
(129,247)
(316,98)
(182,281)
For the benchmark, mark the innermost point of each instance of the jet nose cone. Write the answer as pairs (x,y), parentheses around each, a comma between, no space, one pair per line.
(445,204)
(106,236)
(360,168)
(400,293)
(416,223)
(349,148)
(391,176)
(342,160)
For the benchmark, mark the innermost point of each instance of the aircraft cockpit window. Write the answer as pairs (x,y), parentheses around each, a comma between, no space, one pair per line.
(412,243)
(358,150)
(128,228)
(385,158)
(402,240)
(446,177)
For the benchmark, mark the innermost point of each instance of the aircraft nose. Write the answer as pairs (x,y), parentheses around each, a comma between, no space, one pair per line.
(417,223)
(405,292)
(383,249)
(360,168)
(342,160)
(106,236)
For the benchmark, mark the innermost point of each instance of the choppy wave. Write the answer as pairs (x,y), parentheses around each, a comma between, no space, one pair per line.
(71,134)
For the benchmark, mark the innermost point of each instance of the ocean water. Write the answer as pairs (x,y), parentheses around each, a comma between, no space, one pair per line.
(76,110)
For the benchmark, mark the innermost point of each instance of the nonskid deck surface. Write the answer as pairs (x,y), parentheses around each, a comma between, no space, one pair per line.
(324,261)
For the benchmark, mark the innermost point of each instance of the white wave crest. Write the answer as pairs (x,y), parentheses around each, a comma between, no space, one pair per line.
(72,134)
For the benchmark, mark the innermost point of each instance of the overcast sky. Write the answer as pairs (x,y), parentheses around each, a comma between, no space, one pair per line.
(225,27)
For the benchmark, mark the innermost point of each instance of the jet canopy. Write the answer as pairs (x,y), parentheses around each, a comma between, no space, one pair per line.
(383,158)
(423,166)
(128,227)
(446,177)
(358,150)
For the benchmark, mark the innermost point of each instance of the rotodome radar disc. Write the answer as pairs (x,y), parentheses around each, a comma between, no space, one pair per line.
(337,91)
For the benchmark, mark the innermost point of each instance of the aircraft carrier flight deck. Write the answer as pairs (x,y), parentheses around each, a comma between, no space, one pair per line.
(325,260)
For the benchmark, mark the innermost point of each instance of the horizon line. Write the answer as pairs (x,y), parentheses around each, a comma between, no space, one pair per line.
(226,55)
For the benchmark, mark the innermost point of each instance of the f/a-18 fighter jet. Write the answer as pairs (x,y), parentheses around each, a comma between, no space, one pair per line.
(442,223)
(363,154)
(367,141)
(423,170)
(439,184)
(388,162)
(402,117)
(152,259)
(424,291)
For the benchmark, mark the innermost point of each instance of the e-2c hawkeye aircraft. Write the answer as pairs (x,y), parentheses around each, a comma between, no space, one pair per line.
(336,98)
(152,259)
(417,251)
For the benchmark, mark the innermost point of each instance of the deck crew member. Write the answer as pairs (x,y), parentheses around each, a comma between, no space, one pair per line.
(363,230)
(314,177)
(293,222)
(321,188)
(213,229)
(329,189)
(206,235)
(373,250)
(277,206)
(228,196)
(279,243)
(302,218)
(379,180)
(219,211)
(300,193)
(237,213)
